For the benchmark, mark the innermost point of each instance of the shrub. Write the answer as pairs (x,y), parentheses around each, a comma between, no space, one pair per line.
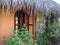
(50,37)
(21,37)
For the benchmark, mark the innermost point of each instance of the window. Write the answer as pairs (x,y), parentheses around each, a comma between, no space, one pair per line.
(19,19)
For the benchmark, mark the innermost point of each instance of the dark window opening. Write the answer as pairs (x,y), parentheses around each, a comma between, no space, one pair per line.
(19,19)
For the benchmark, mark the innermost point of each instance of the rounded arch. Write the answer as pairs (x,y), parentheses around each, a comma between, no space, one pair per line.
(18,12)
(24,17)
(19,19)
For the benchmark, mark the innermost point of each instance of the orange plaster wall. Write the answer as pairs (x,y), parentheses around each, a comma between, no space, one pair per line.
(6,26)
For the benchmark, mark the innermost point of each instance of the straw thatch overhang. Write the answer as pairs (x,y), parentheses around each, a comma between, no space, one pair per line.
(45,7)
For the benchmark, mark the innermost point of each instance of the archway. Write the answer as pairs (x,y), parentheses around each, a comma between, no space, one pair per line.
(21,17)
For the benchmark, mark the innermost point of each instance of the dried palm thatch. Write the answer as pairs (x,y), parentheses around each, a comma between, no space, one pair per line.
(44,6)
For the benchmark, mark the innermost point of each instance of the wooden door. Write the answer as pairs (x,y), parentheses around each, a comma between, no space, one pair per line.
(32,24)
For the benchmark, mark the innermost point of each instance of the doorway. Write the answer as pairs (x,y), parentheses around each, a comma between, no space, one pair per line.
(21,18)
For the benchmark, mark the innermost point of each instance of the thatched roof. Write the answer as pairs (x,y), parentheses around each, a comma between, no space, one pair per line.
(45,6)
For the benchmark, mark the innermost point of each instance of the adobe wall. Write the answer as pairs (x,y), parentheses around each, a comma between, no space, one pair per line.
(6,26)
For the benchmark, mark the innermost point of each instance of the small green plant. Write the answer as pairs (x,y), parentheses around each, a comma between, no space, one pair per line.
(21,37)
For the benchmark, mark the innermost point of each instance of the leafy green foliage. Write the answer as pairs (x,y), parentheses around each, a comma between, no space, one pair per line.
(42,39)
(21,37)
(51,36)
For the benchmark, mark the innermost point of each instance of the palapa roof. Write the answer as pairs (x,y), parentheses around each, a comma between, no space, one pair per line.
(45,6)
